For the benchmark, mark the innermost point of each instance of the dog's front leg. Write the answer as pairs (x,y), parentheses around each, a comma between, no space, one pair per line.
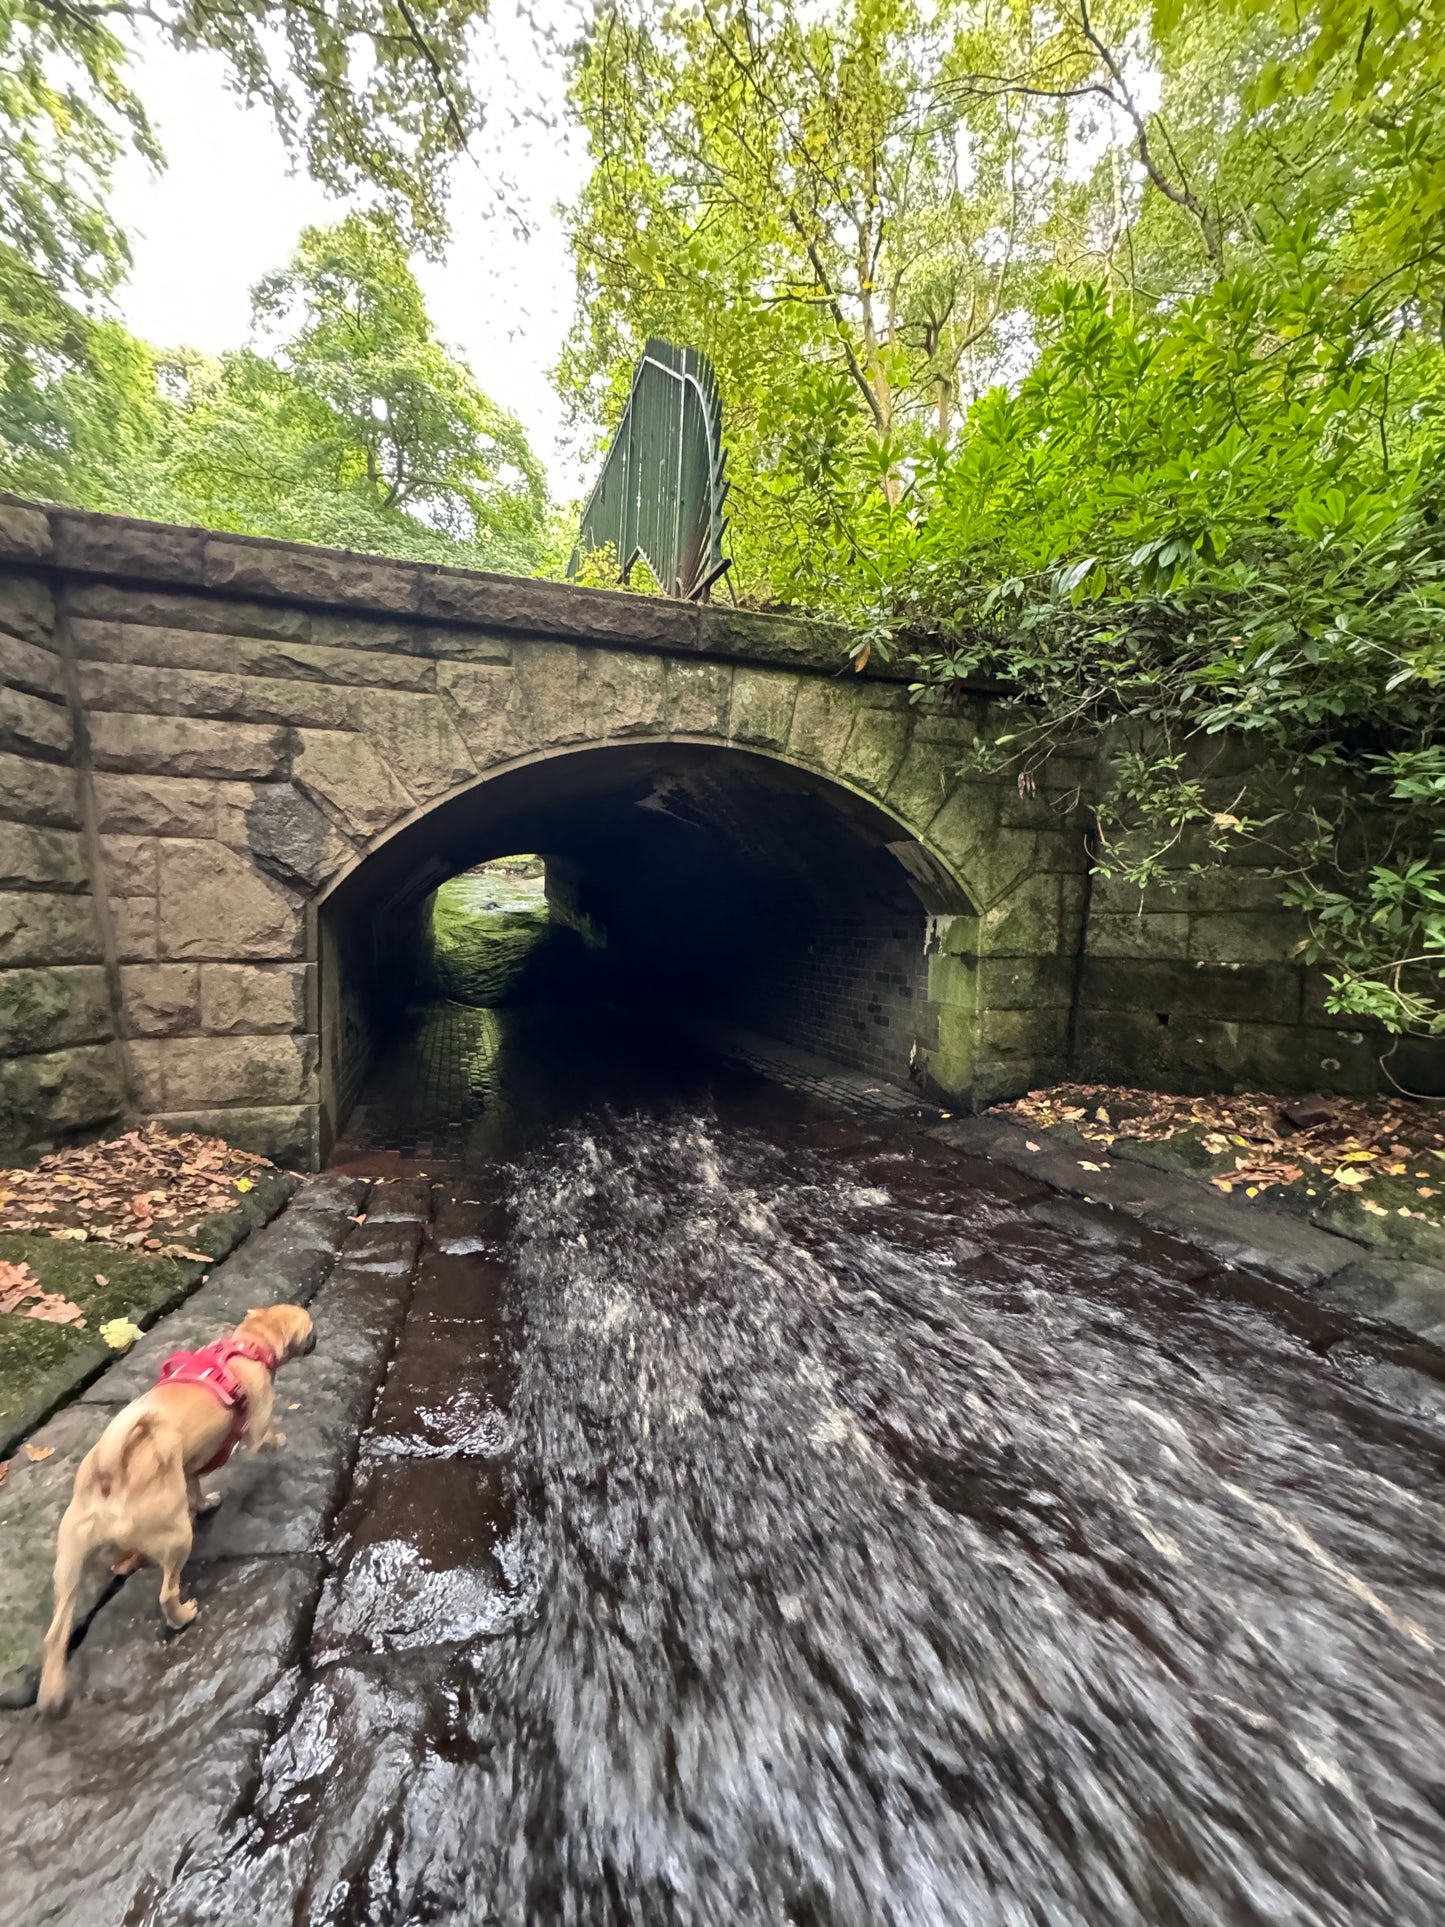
(197,1500)
(263,1432)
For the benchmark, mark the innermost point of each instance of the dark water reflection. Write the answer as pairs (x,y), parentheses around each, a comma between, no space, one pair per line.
(873,1543)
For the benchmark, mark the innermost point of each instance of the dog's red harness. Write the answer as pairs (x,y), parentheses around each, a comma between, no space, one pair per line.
(211,1368)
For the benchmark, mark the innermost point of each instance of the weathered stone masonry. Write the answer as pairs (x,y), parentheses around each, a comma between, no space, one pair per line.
(204,738)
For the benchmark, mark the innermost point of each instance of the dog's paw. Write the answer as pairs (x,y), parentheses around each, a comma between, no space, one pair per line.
(183,1613)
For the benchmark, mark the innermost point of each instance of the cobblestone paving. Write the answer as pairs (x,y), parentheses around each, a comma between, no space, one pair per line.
(458,1084)
(428,1095)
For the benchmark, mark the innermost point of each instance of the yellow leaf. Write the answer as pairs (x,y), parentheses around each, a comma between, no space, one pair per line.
(119,1333)
(1375,1210)
(1251,1190)
(70,1231)
(1086,1165)
(243,1184)
(1346,1176)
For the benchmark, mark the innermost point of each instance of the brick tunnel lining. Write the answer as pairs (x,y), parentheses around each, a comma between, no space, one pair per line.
(726,886)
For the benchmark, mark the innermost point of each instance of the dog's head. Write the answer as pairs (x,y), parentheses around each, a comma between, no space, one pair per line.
(285,1330)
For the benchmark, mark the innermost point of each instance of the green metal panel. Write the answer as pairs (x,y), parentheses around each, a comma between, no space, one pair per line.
(661,491)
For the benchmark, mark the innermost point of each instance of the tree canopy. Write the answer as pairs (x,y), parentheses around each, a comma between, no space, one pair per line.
(347,422)
(1094,349)
(367,93)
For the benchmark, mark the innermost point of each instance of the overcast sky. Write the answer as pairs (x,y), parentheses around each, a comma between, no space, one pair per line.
(227,210)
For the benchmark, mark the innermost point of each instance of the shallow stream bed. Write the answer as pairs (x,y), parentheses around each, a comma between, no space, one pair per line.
(771,1516)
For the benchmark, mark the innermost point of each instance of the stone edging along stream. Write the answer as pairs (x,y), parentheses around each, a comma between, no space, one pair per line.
(357,1280)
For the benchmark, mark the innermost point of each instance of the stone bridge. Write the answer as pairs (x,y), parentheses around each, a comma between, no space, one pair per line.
(232,771)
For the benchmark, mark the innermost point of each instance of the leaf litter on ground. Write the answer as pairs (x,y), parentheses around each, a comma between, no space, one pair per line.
(1341,1143)
(21,1291)
(147,1190)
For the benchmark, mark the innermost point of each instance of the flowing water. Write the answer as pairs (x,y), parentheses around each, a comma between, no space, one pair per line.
(774,1518)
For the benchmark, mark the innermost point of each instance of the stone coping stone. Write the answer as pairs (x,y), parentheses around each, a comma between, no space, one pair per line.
(165,1735)
(1383,1320)
(123,548)
(400,1201)
(1407,1295)
(1340,1214)
(1233,1233)
(286,1262)
(282,1501)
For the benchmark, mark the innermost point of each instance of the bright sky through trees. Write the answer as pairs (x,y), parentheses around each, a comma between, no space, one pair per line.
(229,210)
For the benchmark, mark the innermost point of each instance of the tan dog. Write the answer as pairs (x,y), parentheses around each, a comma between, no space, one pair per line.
(137,1490)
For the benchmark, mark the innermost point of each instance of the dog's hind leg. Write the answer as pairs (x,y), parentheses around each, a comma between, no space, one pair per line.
(69,1567)
(171,1555)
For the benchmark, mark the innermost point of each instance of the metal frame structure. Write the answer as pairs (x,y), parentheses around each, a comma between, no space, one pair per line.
(660,495)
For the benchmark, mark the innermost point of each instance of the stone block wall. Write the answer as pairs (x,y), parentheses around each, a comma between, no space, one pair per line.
(208,741)
(60,1069)
(1201,987)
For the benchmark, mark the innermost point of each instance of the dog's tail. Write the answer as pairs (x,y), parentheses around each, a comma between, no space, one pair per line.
(111,1462)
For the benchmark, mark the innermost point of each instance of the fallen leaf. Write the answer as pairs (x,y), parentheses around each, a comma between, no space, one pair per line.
(119,1333)
(1029,1144)
(1085,1165)
(243,1184)
(4,1469)
(38,1454)
(294,1407)
(1425,1190)
(1346,1175)
(101,1279)
(52,1309)
(1375,1210)
(77,1232)
(17,1284)
(360,1220)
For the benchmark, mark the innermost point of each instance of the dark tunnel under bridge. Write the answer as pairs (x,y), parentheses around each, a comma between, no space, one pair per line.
(696,888)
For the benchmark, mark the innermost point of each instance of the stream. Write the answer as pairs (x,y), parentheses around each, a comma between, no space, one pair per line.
(770,1517)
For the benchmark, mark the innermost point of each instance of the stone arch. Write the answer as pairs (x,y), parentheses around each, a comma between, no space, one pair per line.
(690,853)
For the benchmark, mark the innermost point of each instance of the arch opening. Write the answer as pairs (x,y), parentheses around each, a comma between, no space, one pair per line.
(688,890)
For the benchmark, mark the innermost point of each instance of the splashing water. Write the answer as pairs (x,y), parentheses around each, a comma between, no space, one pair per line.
(886,1545)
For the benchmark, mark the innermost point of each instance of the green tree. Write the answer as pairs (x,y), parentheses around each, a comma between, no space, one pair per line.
(354,427)
(808,197)
(1095,349)
(368,93)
